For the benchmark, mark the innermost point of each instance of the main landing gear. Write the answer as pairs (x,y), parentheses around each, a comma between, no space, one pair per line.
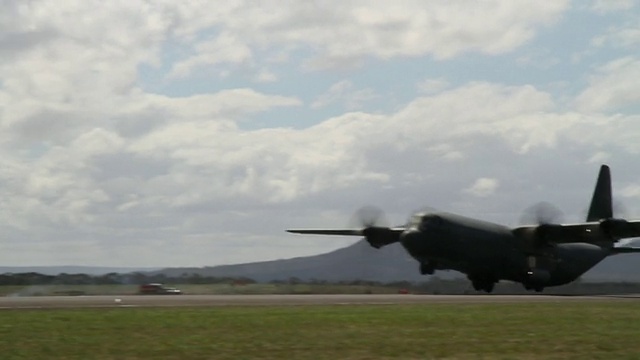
(536,288)
(538,273)
(480,284)
(427,268)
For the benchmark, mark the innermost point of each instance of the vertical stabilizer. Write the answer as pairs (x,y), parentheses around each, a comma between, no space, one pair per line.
(601,201)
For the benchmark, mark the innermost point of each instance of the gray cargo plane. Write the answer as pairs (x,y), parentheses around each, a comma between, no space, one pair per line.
(538,256)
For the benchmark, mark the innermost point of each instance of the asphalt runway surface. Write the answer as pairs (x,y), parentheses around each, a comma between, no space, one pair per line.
(53,302)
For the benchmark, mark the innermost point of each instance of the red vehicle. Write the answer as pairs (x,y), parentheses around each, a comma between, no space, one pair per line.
(158,289)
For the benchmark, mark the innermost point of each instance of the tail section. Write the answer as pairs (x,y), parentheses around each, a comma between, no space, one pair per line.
(601,201)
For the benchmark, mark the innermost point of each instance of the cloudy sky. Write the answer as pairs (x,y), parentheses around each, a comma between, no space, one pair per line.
(192,133)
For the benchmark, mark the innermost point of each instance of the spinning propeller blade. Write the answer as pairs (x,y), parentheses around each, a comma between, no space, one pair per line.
(369,216)
(542,213)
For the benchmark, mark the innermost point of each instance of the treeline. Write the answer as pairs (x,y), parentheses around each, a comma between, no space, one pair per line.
(33,278)
(137,278)
(432,285)
(295,281)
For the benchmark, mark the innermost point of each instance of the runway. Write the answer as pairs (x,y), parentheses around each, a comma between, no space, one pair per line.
(53,302)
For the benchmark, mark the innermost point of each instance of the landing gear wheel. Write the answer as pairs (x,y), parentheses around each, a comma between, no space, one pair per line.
(486,286)
(489,287)
(536,288)
(427,269)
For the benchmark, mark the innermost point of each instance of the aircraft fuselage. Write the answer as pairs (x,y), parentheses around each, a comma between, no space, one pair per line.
(488,252)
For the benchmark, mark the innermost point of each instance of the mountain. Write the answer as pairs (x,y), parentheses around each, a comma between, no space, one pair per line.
(390,263)
(355,262)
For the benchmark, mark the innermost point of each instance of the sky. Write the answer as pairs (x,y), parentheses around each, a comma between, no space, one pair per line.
(193,133)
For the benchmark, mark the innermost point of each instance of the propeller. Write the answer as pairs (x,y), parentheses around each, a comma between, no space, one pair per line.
(617,225)
(375,226)
(542,213)
(369,217)
(547,217)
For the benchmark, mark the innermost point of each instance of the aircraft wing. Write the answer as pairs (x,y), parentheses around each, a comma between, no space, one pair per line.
(375,236)
(615,229)
(611,228)
(392,231)
(626,229)
(344,232)
(625,250)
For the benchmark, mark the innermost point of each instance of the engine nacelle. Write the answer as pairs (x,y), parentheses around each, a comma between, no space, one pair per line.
(537,239)
(613,227)
(378,237)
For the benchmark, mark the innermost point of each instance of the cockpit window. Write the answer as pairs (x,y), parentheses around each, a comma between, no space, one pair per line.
(415,220)
(431,221)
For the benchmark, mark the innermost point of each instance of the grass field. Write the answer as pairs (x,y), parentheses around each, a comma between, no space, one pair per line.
(464,331)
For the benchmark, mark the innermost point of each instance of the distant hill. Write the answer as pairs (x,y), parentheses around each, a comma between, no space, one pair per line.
(355,262)
(391,263)
(55,270)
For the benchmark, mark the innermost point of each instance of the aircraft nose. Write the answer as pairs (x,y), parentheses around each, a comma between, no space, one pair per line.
(415,243)
(419,241)
(411,238)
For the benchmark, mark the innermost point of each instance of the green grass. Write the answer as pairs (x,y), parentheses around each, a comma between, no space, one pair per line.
(464,331)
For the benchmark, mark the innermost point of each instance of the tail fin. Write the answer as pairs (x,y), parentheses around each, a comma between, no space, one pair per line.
(601,201)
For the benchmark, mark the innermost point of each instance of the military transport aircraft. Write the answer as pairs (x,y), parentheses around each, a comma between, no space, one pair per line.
(538,256)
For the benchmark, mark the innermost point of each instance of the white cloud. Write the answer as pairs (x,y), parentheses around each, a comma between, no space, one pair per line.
(432,86)
(97,142)
(613,86)
(446,151)
(626,37)
(608,6)
(483,187)
(197,164)
(225,48)
(631,191)
(335,93)
(599,157)
(265,76)
(342,34)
